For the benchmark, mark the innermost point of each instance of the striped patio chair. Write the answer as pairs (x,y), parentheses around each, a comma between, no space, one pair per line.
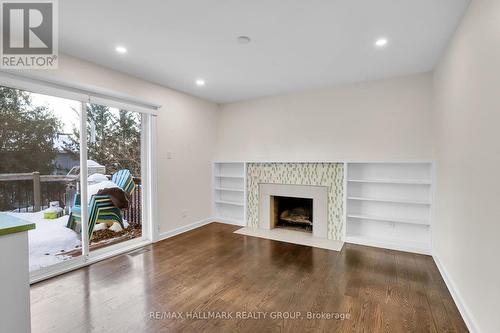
(101,208)
(124,180)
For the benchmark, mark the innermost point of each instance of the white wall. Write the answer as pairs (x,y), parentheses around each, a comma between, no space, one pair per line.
(186,127)
(467,106)
(379,120)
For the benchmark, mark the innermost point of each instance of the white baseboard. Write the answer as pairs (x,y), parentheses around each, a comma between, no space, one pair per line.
(186,228)
(455,294)
(180,230)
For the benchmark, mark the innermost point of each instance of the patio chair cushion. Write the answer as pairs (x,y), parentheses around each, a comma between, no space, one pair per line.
(117,196)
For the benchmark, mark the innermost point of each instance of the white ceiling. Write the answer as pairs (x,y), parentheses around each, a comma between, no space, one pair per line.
(296,44)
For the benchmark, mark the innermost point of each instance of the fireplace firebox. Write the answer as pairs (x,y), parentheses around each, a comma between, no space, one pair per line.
(292,213)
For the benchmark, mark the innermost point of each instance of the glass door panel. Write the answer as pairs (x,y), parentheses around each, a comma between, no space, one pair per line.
(114,150)
(39,178)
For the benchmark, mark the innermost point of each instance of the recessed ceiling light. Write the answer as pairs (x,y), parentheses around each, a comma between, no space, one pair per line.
(200,82)
(121,49)
(381,42)
(244,39)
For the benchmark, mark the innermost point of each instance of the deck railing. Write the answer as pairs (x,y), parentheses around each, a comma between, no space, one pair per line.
(32,192)
(133,214)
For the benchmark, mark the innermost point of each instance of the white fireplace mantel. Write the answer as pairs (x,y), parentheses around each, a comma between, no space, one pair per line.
(319,195)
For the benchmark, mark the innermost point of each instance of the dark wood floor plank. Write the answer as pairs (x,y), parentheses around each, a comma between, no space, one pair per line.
(441,297)
(423,319)
(438,310)
(213,270)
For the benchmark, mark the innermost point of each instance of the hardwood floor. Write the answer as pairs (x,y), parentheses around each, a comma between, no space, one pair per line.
(211,271)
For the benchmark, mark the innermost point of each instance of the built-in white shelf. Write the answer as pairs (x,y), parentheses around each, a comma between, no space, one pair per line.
(388,219)
(234,203)
(389,205)
(393,244)
(230,176)
(396,201)
(392,181)
(229,189)
(229,192)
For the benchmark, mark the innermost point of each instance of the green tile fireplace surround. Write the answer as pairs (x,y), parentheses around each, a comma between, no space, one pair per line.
(330,175)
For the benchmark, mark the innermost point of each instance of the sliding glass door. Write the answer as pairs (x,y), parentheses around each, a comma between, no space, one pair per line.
(79,171)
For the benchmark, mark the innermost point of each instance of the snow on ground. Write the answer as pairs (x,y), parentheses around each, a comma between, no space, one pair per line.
(49,240)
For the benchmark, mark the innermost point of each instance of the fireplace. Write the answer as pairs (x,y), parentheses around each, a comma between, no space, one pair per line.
(300,200)
(291,213)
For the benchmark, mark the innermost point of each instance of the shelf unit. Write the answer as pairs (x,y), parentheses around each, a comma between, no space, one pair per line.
(229,193)
(389,205)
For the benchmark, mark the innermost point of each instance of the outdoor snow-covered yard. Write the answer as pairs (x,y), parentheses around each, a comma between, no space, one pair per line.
(49,241)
